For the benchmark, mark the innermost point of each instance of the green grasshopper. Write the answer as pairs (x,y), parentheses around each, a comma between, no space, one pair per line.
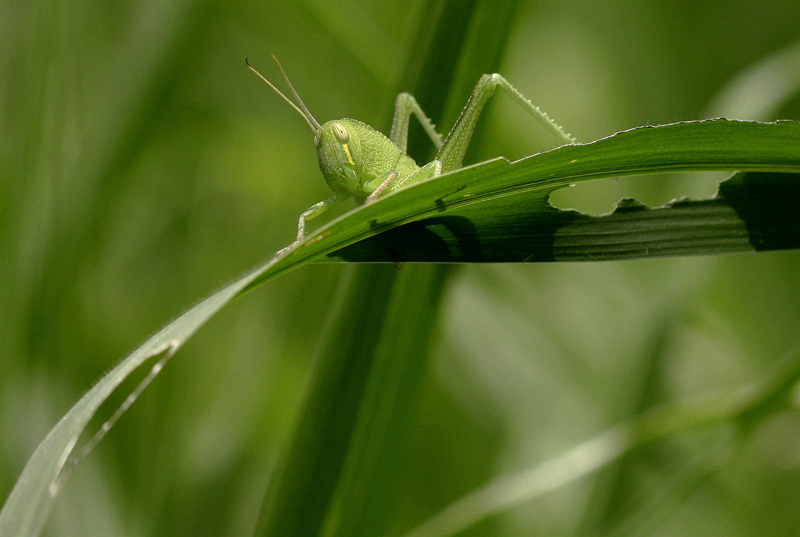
(358,161)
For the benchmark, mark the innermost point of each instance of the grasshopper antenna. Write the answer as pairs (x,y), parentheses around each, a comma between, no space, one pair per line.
(302,109)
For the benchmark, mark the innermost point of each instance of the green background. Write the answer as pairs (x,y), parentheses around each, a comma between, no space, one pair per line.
(142,166)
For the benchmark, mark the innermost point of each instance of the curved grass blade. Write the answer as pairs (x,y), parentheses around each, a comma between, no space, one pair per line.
(28,507)
(469,204)
(497,211)
(753,211)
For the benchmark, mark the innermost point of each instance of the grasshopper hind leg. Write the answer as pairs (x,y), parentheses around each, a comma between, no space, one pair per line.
(455,145)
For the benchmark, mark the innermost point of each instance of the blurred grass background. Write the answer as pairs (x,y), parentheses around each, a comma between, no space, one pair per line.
(142,166)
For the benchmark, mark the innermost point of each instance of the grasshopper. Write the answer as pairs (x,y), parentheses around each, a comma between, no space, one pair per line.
(358,161)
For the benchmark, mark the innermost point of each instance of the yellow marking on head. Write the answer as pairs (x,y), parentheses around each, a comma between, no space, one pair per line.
(348,153)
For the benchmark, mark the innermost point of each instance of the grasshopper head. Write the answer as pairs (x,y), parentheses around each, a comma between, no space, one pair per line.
(339,154)
(338,145)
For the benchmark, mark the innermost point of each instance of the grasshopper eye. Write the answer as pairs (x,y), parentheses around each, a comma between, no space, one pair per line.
(340,132)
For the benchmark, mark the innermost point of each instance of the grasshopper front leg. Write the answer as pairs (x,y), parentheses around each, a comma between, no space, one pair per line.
(393,182)
(404,106)
(312,212)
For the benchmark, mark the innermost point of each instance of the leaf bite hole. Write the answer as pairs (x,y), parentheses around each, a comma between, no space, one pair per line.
(600,196)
